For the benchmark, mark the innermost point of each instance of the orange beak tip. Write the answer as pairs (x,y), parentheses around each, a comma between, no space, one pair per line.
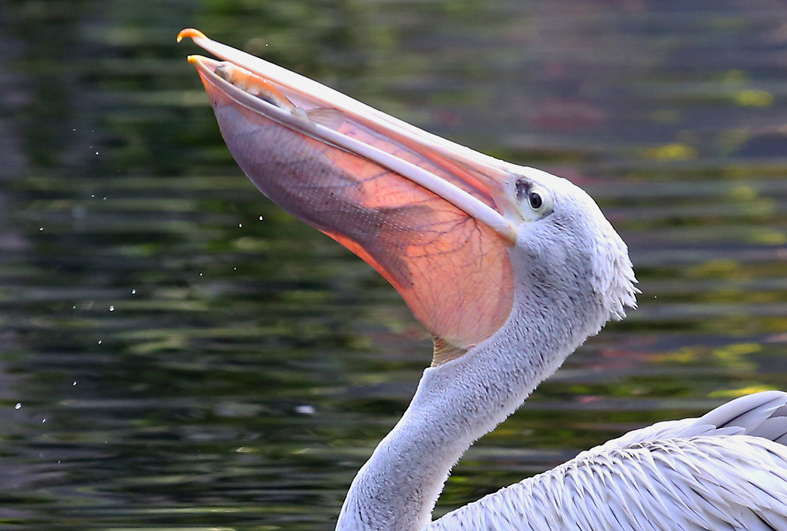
(191,33)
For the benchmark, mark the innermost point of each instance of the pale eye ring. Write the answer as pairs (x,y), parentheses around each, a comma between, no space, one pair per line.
(538,199)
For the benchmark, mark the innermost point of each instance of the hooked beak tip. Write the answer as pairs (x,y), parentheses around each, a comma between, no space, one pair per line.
(192,33)
(202,64)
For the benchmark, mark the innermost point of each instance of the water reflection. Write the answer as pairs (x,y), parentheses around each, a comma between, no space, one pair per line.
(186,355)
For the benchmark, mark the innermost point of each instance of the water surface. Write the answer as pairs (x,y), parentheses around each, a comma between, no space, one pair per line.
(176,352)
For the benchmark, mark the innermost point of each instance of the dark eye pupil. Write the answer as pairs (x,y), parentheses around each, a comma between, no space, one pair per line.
(535,200)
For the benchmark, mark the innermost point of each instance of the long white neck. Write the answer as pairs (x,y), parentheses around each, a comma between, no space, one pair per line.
(458,402)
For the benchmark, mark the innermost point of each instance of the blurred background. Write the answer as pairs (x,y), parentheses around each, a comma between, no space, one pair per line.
(178,353)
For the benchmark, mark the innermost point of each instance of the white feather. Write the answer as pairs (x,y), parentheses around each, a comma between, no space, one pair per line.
(720,471)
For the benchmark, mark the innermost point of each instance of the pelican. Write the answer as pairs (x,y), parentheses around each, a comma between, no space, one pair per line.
(510,269)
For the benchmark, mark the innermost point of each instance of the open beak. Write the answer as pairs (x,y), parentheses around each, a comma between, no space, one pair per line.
(435,218)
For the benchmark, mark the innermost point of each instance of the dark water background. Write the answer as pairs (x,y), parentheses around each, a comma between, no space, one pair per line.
(177,353)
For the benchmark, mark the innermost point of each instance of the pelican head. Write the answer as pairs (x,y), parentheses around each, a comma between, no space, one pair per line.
(568,251)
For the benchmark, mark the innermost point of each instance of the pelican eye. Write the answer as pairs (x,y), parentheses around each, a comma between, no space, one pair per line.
(538,199)
(534,198)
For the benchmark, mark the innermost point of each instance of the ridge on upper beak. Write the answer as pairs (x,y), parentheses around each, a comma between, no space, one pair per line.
(434,218)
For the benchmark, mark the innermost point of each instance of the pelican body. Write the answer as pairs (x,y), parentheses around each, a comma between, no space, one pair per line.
(510,269)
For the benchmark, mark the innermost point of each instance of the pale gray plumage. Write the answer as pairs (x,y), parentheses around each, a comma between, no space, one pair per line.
(724,471)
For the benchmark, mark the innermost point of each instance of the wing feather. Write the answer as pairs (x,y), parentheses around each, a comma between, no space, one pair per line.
(724,471)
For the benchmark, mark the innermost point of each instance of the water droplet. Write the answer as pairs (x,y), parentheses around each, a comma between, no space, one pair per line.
(240,225)
(40,228)
(111,308)
(260,218)
(74,383)
(133,292)
(18,405)
(99,342)
(43,421)
(306,410)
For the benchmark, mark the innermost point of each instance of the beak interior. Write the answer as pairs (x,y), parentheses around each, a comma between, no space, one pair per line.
(426,221)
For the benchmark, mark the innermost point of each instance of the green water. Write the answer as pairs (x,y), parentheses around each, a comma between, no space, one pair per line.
(186,356)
